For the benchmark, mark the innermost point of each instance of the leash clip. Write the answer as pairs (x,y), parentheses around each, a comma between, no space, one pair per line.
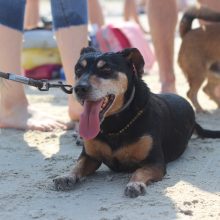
(45,86)
(66,88)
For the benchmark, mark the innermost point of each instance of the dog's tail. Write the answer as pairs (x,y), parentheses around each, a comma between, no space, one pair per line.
(198,12)
(205,133)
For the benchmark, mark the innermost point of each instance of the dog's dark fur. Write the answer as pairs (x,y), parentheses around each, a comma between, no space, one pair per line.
(142,137)
(199,55)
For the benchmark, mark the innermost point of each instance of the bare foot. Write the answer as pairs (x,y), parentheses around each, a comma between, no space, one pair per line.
(23,117)
(15,112)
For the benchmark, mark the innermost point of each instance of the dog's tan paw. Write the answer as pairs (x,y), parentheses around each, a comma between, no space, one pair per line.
(64,183)
(135,189)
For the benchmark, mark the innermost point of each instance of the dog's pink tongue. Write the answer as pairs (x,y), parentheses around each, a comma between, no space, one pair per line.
(89,124)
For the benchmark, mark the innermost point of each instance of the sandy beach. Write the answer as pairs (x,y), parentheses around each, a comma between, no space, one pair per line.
(29,160)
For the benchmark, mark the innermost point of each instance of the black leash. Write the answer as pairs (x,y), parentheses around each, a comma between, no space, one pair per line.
(42,85)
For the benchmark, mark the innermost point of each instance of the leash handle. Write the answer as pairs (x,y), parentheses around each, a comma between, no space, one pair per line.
(40,84)
(4,75)
(22,79)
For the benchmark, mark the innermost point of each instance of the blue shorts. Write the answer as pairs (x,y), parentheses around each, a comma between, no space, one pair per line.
(65,13)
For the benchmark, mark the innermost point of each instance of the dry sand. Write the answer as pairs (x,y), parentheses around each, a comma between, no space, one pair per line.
(30,160)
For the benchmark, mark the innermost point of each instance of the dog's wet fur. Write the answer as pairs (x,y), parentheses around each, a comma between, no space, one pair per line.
(199,55)
(138,132)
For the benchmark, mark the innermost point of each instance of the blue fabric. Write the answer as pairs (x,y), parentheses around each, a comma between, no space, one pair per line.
(65,13)
(12,13)
(69,13)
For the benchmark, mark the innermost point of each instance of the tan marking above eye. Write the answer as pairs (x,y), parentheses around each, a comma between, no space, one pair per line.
(83,63)
(101,63)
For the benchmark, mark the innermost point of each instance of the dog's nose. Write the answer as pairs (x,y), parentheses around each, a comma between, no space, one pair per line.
(82,89)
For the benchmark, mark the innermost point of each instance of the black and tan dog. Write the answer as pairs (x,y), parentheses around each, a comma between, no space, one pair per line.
(199,55)
(124,125)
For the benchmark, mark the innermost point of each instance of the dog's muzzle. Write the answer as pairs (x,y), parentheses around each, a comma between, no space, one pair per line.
(82,89)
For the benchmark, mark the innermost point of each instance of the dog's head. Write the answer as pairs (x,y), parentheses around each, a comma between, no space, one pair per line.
(102,80)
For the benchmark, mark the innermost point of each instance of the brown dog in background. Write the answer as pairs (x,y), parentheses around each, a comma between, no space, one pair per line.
(199,55)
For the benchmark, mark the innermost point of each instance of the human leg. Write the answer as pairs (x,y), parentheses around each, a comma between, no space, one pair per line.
(127,9)
(15,111)
(32,15)
(95,13)
(162,20)
(130,12)
(71,34)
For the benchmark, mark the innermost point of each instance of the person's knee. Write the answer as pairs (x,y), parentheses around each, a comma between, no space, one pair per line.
(12,13)
(69,13)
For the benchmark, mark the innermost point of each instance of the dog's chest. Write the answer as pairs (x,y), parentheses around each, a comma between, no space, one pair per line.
(125,155)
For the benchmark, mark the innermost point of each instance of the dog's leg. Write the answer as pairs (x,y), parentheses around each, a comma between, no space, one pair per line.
(209,88)
(142,177)
(84,167)
(194,86)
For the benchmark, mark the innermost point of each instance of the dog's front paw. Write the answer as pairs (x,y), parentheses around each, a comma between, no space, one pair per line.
(64,183)
(135,189)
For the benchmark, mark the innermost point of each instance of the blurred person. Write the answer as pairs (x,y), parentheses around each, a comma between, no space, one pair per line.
(130,12)
(95,13)
(162,17)
(32,15)
(70,24)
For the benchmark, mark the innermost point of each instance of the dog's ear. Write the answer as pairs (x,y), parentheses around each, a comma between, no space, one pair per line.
(87,50)
(134,56)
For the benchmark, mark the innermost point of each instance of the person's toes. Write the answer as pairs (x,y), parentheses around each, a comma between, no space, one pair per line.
(43,125)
